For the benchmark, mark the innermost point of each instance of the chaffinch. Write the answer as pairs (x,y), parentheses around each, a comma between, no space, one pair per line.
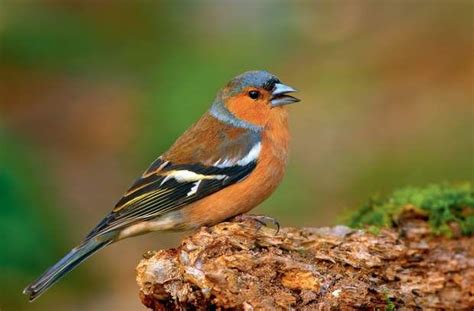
(227,163)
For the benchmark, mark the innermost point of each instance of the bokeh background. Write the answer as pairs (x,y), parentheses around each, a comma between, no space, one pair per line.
(92,91)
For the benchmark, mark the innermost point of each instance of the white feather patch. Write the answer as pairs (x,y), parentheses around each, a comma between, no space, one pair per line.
(194,188)
(189,176)
(250,157)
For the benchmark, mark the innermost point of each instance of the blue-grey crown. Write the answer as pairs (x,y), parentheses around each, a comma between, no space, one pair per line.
(255,78)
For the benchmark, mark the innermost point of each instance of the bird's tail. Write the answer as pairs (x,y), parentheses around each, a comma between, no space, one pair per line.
(62,267)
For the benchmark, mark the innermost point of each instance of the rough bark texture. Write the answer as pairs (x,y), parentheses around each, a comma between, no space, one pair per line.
(243,265)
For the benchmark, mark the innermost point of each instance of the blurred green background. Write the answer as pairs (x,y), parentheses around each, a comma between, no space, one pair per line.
(92,91)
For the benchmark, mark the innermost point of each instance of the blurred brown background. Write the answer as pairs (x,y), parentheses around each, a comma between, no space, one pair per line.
(91,92)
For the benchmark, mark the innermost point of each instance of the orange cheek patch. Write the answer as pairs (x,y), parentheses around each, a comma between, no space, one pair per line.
(247,109)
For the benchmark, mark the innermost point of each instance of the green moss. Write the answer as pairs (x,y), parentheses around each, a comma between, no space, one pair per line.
(390,305)
(441,203)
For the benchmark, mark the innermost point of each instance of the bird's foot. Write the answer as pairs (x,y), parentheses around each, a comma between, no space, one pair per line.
(261,219)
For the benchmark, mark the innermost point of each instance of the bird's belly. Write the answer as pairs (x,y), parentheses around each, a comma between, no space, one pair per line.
(238,198)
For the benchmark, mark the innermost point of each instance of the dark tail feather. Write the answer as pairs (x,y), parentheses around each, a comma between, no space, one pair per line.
(65,265)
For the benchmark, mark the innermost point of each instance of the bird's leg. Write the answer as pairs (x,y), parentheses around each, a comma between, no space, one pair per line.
(261,219)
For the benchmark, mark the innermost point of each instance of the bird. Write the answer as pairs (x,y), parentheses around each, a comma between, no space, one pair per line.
(225,164)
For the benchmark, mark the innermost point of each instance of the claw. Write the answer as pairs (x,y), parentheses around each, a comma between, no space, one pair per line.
(261,219)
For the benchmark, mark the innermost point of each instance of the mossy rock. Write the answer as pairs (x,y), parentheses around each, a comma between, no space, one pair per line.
(441,204)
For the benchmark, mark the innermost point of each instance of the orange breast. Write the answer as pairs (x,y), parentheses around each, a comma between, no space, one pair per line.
(259,185)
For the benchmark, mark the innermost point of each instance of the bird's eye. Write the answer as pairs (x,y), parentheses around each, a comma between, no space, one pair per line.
(254,94)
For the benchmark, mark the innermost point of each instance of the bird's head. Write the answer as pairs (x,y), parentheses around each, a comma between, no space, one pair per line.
(253,97)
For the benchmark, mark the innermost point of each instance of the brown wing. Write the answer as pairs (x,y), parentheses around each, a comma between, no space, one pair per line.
(189,171)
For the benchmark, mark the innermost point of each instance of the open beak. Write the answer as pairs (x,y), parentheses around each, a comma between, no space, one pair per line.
(280,95)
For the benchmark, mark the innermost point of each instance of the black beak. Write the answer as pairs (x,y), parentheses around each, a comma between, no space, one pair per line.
(280,95)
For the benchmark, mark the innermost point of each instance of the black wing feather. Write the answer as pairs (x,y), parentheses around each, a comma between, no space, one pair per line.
(150,197)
